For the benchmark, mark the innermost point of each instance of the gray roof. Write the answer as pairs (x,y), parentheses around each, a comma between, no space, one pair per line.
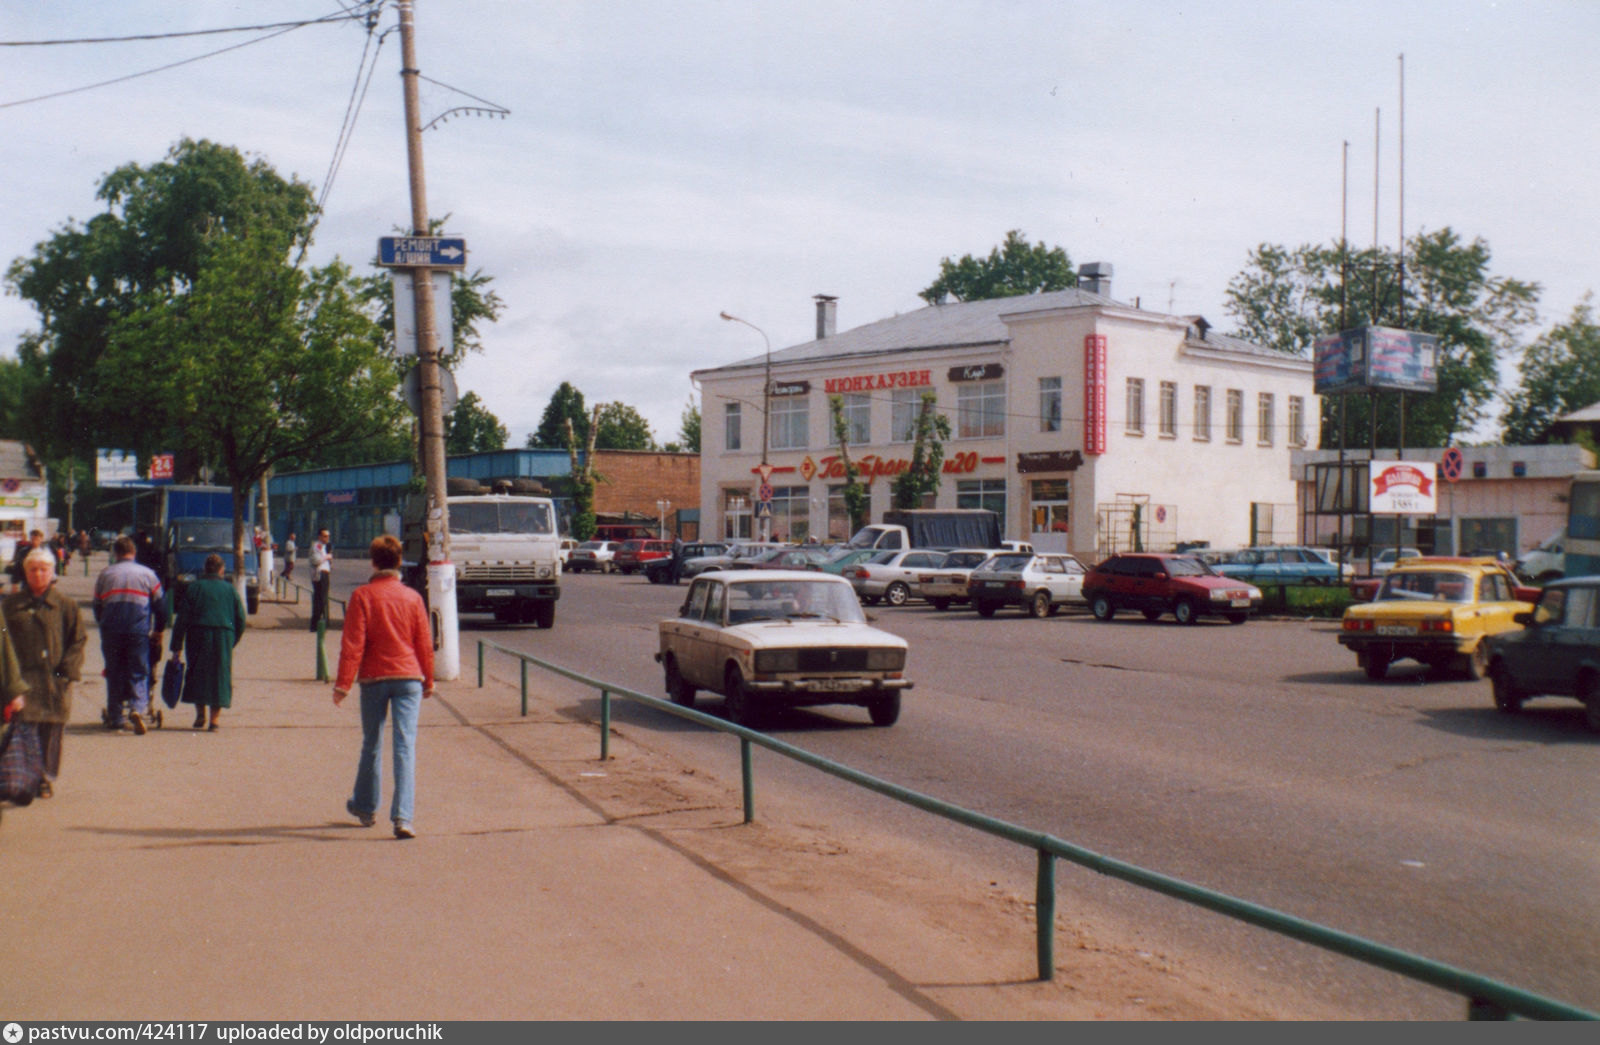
(957,324)
(1583,415)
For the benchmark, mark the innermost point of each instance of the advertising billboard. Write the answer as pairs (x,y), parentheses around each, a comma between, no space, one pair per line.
(1368,358)
(1403,488)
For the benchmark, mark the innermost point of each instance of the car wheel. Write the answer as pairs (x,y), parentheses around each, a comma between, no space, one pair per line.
(985,609)
(1101,607)
(940,604)
(1589,693)
(1151,614)
(737,702)
(544,614)
(1376,665)
(678,687)
(1508,697)
(1476,663)
(1039,606)
(1185,612)
(897,594)
(884,708)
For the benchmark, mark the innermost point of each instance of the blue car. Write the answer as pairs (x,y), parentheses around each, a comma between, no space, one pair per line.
(1279,565)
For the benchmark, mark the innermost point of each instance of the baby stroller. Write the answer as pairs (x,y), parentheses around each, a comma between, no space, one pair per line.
(153,718)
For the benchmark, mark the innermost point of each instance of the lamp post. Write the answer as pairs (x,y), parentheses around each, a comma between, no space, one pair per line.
(766,414)
(663,506)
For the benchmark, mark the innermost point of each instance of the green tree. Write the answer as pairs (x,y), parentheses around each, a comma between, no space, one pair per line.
(566,404)
(620,427)
(1284,299)
(1011,269)
(1559,373)
(855,494)
(921,477)
(471,428)
(582,477)
(161,226)
(689,427)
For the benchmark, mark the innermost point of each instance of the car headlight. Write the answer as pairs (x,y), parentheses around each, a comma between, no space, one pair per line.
(886,659)
(772,661)
(544,572)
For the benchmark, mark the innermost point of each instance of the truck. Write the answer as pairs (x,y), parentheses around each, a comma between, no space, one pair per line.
(931,528)
(1547,561)
(197,521)
(505,545)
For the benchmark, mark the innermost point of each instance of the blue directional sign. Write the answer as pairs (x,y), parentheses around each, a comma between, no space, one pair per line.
(433,252)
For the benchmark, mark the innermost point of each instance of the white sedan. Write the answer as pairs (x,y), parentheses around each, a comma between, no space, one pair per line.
(892,575)
(1040,584)
(778,638)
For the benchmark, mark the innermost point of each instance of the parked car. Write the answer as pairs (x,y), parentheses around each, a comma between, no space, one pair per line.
(1278,565)
(1556,654)
(890,575)
(842,557)
(735,550)
(659,571)
(1039,584)
(568,546)
(599,556)
(633,555)
(1387,559)
(782,559)
(1438,613)
(947,583)
(1365,589)
(780,638)
(1156,583)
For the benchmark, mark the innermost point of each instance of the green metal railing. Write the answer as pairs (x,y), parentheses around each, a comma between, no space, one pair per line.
(1487,999)
(282,585)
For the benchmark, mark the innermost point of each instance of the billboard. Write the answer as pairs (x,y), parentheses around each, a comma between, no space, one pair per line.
(1403,488)
(1367,358)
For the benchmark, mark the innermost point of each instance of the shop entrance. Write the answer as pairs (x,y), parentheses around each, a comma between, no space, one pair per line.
(1050,514)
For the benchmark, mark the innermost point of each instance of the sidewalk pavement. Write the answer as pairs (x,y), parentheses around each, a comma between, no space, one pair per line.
(186,875)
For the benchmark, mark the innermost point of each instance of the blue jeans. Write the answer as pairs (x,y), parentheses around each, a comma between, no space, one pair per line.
(405,697)
(127,657)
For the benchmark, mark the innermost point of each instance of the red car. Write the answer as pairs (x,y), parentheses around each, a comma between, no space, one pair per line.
(633,555)
(1154,583)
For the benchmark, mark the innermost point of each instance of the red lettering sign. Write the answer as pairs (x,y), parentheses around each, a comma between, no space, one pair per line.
(873,382)
(1094,393)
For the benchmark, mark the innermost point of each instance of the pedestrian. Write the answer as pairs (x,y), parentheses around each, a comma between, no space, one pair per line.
(289,548)
(84,544)
(131,609)
(45,628)
(321,577)
(676,574)
(35,540)
(387,648)
(211,620)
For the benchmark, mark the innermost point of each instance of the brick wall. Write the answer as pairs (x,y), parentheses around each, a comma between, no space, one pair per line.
(633,481)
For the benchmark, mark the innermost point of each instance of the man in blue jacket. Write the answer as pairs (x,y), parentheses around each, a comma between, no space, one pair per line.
(131,609)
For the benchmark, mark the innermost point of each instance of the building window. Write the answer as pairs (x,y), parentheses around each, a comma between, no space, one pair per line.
(840,526)
(857,419)
(1049,404)
(1235,416)
(903,406)
(791,422)
(736,515)
(981,410)
(1169,409)
(791,513)
(1135,406)
(1297,421)
(1265,408)
(983,493)
(1202,413)
(730,426)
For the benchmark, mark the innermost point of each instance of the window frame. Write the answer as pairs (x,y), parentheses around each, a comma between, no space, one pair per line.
(1167,410)
(1133,390)
(1234,421)
(1202,413)
(985,403)
(1050,404)
(789,416)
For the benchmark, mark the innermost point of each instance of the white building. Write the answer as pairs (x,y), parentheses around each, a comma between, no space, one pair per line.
(1075,417)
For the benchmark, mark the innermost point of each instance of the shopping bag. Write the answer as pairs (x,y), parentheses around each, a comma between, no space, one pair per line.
(21,762)
(172,683)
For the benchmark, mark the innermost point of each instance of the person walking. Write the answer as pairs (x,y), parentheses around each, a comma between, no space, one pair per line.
(386,648)
(321,577)
(45,628)
(211,620)
(289,548)
(20,555)
(131,609)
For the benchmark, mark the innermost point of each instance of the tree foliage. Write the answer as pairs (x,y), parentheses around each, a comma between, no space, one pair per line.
(1284,299)
(689,428)
(1559,373)
(1011,269)
(619,426)
(583,477)
(566,404)
(854,493)
(921,477)
(470,428)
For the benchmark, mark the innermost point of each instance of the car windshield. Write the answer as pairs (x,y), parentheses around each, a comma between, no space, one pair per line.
(1438,585)
(1008,563)
(964,560)
(502,517)
(215,536)
(797,599)
(1188,568)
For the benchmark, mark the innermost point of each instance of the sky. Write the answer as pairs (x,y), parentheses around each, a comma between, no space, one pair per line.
(662,163)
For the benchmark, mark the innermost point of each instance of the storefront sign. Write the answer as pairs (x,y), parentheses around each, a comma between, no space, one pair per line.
(1403,488)
(873,382)
(1094,393)
(871,466)
(1050,461)
(339,497)
(977,372)
(791,388)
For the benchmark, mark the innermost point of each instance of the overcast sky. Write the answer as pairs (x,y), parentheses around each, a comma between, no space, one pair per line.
(664,162)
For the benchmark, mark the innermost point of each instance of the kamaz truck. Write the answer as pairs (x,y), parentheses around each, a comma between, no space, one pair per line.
(197,521)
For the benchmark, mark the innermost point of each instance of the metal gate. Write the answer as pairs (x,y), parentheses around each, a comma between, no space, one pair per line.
(1132,524)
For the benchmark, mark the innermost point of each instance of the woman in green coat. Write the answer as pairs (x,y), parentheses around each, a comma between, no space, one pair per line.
(211,620)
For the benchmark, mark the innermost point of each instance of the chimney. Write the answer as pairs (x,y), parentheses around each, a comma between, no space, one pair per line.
(827,315)
(1095,277)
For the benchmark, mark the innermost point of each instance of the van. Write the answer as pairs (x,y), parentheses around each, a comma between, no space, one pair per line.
(1546,562)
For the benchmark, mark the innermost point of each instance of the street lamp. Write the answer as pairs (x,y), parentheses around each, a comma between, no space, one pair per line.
(766,412)
(663,506)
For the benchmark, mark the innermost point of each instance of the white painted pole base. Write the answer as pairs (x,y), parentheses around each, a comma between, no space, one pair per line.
(446,624)
(264,570)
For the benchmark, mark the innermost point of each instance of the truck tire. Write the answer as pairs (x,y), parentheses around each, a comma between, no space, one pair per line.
(544,613)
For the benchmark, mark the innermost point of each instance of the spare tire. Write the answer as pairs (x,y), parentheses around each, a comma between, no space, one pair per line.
(460,484)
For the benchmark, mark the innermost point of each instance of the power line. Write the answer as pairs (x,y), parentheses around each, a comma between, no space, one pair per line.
(174,36)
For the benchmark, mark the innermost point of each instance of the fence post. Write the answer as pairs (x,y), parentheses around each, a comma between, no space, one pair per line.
(480,663)
(747,773)
(322,654)
(524,687)
(605,724)
(1044,905)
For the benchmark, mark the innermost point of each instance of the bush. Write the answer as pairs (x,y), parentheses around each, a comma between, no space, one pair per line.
(1298,600)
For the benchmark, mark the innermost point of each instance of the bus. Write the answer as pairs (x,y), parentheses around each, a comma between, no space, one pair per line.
(1583,526)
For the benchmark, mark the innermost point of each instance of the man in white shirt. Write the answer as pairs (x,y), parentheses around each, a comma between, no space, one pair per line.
(321,577)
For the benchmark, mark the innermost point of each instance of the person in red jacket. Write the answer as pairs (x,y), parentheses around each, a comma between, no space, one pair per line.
(387,649)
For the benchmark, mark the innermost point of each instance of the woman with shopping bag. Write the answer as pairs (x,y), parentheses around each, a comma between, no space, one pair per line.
(45,629)
(211,622)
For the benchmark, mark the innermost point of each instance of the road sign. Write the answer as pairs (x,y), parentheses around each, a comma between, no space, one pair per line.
(405,313)
(412,386)
(765,493)
(763,509)
(422,251)
(1452,464)
(765,470)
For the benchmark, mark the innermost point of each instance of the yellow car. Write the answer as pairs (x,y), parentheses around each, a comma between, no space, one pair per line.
(1436,612)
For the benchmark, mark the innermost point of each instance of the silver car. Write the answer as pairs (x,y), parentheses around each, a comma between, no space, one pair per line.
(892,575)
(1039,584)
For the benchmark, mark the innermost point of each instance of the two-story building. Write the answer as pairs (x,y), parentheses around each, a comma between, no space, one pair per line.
(1089,425)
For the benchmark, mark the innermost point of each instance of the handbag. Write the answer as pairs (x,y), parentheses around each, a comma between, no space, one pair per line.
(172,683)
(21,762)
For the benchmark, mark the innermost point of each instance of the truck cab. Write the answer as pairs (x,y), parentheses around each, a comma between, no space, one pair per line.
(506,548)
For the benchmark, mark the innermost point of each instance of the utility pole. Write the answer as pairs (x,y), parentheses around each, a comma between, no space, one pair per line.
(436,520)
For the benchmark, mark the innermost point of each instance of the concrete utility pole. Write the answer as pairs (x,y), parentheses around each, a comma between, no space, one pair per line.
(441,572)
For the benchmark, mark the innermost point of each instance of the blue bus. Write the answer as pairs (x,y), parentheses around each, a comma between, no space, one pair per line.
(1583,526)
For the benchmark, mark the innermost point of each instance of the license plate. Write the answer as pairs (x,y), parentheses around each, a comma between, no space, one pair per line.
(1395,629)
(1241,603)
(834,685)
(994,584)
(500,593)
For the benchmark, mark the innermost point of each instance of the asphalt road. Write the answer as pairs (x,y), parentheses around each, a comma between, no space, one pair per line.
(1255,760)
